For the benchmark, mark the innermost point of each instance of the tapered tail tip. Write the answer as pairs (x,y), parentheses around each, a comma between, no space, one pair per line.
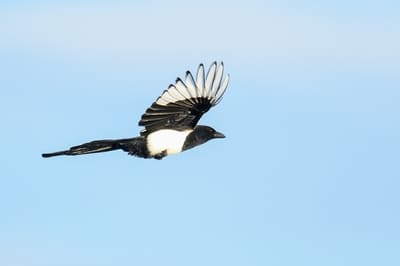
(47,155)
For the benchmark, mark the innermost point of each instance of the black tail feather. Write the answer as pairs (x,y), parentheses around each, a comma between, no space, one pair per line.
(47,155)
(133,145)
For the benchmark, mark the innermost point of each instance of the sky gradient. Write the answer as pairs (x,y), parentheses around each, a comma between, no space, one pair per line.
(309,171)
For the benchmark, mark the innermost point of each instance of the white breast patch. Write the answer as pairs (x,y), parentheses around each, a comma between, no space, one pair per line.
(166,139)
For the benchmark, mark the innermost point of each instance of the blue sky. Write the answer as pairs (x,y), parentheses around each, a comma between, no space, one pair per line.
(309,171)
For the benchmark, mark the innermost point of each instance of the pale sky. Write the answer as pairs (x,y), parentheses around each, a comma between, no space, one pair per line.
(308,173)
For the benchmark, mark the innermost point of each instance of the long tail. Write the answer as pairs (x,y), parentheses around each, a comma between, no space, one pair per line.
(135,146)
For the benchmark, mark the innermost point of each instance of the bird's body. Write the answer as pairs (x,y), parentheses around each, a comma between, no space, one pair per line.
(166,140)
(170,123)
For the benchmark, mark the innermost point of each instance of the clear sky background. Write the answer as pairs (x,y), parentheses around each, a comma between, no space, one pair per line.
(309,171)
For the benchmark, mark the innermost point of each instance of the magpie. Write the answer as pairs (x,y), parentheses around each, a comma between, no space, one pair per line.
(170,123)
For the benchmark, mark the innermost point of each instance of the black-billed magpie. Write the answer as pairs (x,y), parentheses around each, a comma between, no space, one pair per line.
(170,123)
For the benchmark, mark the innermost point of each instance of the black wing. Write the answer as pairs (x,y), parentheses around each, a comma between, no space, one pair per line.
(183,103)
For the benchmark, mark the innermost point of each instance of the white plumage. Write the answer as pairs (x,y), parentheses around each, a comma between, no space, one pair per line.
(166,140)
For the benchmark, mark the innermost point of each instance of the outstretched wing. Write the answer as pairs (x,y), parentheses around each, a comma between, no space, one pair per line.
(183,103)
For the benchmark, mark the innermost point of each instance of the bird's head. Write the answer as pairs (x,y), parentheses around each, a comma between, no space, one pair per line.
(200,135)
(207,133)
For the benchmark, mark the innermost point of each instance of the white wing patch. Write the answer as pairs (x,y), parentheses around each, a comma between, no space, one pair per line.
(211,87)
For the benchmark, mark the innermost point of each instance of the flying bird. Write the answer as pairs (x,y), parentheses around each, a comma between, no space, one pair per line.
(170,123)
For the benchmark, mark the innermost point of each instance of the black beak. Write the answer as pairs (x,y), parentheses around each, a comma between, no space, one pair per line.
(218,135)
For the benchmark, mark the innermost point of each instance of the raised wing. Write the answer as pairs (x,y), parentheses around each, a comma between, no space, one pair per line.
(183,103)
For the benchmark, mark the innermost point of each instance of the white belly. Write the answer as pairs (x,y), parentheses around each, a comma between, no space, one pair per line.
(166,139)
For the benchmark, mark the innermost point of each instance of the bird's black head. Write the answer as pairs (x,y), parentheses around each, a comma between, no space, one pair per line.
(200,135)
(207,132)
